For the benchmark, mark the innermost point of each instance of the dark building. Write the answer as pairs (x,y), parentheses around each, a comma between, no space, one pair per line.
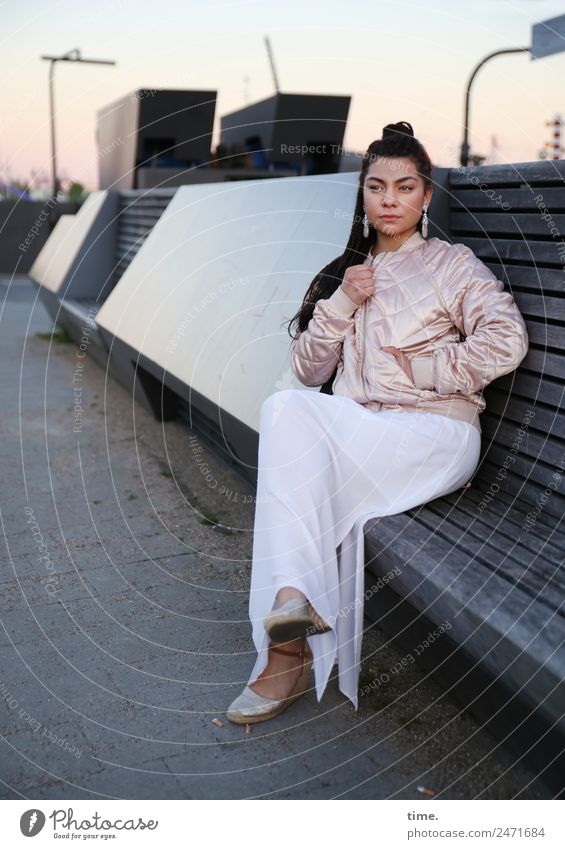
(301,133)
(152,137)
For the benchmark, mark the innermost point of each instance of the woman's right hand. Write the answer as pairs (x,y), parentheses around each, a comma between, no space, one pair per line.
(358,283)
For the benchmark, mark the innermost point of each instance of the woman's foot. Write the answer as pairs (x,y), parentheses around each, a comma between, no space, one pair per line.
(288,592)
(252,706)
(281,672)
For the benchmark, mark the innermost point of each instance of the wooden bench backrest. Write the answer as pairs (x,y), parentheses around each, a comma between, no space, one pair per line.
(512,217)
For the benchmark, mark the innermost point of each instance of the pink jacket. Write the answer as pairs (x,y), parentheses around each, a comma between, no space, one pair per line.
(437,302)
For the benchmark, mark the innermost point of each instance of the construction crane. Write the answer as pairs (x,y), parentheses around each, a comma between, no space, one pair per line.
(272,63)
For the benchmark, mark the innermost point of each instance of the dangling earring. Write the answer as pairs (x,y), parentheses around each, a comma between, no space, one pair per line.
(365,227)
(425,223)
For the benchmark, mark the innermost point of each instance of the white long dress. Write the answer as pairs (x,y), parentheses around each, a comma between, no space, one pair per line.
(326,465)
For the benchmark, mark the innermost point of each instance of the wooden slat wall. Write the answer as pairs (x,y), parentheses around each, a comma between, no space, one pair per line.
(522,249)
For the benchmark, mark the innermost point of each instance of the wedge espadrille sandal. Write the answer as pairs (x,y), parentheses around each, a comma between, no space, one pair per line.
(252,707)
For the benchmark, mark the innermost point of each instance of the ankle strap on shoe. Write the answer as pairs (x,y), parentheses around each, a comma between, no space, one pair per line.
(303,653)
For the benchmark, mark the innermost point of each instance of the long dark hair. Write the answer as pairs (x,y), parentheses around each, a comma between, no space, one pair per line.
(397,140)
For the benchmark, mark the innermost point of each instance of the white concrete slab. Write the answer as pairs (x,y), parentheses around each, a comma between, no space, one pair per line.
(224,266)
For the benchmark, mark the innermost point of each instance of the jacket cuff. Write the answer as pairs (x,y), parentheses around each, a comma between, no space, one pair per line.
(342,303)
(423,372)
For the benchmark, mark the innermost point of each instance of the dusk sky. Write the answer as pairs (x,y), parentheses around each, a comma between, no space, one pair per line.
(398,61)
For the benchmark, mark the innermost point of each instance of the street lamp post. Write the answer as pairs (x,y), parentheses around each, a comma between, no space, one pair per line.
(71,56)
(548,38)
(465,145)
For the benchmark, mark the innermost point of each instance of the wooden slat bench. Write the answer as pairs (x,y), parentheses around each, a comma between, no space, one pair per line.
(489,559)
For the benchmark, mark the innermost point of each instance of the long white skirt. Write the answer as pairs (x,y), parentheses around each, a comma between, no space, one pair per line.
(326,465)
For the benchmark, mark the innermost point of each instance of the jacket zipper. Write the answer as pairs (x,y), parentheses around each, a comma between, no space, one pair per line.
(360,337)
(362,325)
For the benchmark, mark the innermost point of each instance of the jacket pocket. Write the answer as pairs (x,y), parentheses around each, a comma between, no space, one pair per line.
(423,371)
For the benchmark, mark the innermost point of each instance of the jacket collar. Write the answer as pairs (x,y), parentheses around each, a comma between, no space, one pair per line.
(409,244)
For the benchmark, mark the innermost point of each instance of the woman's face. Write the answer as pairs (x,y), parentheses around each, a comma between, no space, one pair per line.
(394,188)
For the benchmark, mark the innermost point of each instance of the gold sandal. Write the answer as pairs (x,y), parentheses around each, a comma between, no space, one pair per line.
(253,707)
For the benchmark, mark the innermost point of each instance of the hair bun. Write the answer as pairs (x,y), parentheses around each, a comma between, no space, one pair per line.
(401,127)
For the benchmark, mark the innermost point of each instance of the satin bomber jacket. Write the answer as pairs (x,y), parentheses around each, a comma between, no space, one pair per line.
(439,304)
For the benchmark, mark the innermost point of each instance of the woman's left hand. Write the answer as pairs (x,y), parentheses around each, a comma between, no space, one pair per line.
(402,359)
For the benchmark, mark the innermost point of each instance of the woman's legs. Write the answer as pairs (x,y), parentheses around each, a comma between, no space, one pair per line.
(293,517)
(325,462)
